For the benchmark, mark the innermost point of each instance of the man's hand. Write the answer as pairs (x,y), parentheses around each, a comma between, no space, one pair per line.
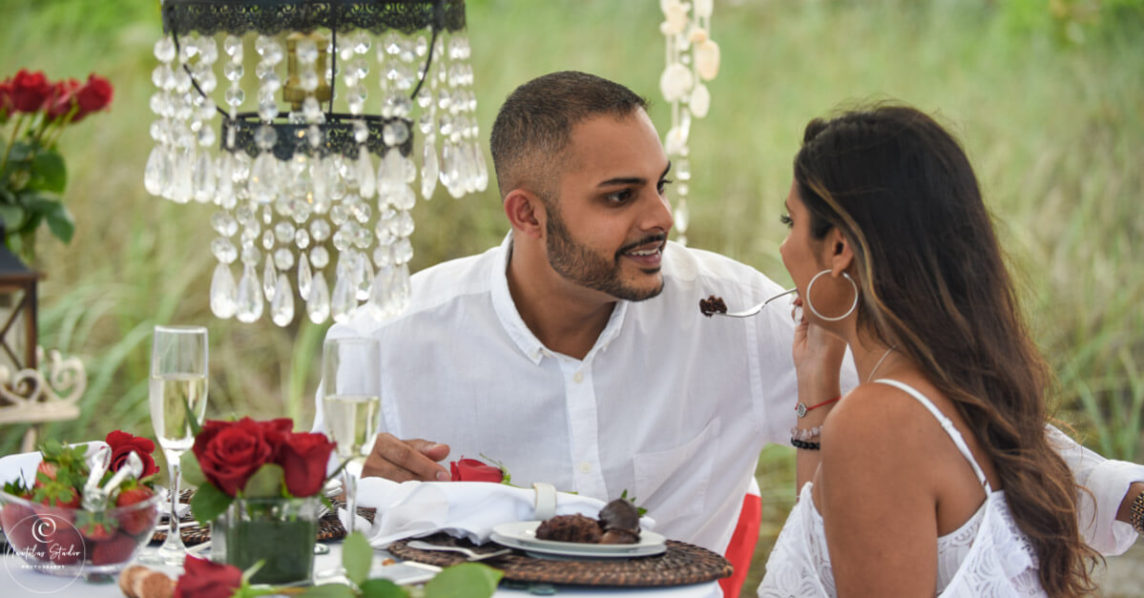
(404,460)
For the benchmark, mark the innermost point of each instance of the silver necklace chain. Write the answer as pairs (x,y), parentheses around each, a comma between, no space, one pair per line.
(879,364)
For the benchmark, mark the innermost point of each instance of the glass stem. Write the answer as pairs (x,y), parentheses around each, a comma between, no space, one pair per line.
(174,537)
(350,486)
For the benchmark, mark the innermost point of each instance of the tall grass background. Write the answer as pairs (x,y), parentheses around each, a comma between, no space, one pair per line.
(1048,99)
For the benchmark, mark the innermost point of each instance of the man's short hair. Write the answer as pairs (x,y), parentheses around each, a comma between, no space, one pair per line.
(534,125)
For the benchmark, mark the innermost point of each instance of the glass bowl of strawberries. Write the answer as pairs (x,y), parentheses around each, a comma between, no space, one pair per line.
(64,524)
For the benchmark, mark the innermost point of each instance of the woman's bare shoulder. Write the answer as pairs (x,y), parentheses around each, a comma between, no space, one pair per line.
(878,425)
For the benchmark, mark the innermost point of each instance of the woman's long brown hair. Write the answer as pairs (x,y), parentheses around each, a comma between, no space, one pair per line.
(933,281)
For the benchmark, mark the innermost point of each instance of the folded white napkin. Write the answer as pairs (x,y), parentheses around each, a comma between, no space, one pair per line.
(461,509)
(23,466)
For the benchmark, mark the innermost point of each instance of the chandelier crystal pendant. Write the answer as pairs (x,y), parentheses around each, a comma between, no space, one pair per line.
(297,120)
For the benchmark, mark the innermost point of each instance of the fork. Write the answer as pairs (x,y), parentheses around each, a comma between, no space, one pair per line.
(746,313)
(473,556)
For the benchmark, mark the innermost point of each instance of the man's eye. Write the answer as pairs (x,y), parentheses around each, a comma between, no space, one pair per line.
(619,196)
(785,219)
(663,185)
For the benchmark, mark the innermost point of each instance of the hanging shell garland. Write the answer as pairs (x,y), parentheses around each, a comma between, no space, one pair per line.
(692,58)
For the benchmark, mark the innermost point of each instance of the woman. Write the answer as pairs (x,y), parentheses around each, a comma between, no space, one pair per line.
(934,475)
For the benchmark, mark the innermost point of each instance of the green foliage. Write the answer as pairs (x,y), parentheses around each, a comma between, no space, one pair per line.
(268,482)
(357,556)
(32,178)
(466,580)
(189,469)
(208,503)
(381,588)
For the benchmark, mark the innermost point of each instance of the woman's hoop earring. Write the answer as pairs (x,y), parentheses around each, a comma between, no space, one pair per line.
(810,304)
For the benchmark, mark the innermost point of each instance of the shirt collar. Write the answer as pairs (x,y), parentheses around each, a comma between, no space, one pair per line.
(514,325)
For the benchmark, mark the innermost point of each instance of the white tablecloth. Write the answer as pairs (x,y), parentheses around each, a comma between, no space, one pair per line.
(17,581)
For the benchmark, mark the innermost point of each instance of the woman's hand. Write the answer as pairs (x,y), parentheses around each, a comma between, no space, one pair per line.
(817,357)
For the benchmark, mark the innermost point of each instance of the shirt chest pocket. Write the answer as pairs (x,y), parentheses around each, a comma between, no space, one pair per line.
(672,483)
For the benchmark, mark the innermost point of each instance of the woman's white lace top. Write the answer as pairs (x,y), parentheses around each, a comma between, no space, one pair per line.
(986,557)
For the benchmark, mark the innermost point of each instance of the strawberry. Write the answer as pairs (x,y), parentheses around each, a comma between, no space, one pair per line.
(55,493)
(137,520)
(64,545)
(116,550)
(48,471)
(18,521)
(95,526)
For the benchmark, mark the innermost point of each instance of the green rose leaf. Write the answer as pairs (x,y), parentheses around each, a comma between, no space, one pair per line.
(357,556)
(60,222)
(19,152)
(49,172)
(13,216)
(192,473)
(382,588)
(467,580)
(329,590)
(208,503)
(265,483)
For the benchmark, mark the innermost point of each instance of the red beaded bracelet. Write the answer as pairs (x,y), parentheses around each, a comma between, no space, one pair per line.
(801,409)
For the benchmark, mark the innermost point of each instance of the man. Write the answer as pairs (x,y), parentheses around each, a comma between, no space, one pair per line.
(574,353)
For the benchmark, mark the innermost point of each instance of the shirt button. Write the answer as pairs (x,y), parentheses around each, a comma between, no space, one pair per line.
(585,467)
(578,377)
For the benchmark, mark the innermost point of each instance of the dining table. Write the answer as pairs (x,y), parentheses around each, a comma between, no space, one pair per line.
(18,580)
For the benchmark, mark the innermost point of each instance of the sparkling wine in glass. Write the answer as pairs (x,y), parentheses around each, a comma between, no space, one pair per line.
(351,404)
(178,392)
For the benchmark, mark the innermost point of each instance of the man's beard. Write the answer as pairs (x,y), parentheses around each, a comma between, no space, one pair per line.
(587,268)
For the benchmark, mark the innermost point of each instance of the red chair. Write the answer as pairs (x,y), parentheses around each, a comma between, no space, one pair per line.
(743,541)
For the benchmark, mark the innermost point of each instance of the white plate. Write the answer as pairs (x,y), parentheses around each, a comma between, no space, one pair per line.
(522,535)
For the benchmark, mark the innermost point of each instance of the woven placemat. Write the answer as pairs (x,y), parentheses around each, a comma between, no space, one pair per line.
(682,564)
(329,527)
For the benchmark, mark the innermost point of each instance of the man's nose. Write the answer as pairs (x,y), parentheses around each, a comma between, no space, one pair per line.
(657,214)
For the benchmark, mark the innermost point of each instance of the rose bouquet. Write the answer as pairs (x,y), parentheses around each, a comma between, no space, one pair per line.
(259,486)
(87,510)
(32,171)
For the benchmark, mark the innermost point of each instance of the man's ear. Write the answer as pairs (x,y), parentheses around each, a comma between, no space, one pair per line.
(526,213)
(840,253)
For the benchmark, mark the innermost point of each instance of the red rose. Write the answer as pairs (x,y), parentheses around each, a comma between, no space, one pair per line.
(203,579)
(95,95)
(230,452)
(123,444)
(276,430)
(472,470)
(62,98)
(29,90)
(304,457)
(6,90)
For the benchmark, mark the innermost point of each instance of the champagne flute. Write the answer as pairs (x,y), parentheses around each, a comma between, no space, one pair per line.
(351,404)
(178,392)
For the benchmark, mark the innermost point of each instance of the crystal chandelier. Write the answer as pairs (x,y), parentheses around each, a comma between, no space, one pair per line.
(692,58)
(312,164)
